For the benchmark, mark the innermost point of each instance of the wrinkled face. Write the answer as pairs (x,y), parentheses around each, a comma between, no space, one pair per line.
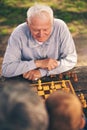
(40,28)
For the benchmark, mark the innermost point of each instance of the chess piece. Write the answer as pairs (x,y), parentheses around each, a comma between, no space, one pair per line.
(72,75)
(83,101)
(67,75)
(60,76)
(63,84)
(84,104)
(52,85)
(39,85)
(64,87)
(75,77)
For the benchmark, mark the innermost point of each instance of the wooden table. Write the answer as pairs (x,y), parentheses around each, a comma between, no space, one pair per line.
(79,87)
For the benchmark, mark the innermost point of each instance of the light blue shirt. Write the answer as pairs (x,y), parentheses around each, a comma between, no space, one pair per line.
(22,50)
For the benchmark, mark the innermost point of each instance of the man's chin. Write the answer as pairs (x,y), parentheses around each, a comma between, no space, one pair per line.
(41,40)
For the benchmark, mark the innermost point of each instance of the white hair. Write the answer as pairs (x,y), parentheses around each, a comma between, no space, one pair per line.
(39,10)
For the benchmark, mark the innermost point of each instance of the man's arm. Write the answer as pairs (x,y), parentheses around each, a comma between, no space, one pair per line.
(58,66)
(64,64)
(42,65)
(48,64)
(13,64)
(32,75)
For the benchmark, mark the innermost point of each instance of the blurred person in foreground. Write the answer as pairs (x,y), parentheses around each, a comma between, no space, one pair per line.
(21,109)
(39,47)
(65,112)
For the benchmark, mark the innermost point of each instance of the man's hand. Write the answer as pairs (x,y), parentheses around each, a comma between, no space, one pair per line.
(32,75)
(48,64)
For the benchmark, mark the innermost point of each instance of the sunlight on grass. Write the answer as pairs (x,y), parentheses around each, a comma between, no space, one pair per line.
(74,6)
(6,30)
(72,29)
(77,27)
(13,12)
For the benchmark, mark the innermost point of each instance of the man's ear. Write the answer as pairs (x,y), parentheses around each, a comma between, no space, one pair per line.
(83,122)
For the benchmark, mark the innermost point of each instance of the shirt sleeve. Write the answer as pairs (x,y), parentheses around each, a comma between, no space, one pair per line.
(64,65)
(13,65)
(68,56)
(43,72)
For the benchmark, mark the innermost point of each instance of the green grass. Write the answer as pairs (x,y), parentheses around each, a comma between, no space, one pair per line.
(74,13)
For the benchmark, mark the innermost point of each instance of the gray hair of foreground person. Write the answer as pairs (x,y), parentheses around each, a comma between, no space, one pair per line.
(39,10)
(65,112)
(21,109)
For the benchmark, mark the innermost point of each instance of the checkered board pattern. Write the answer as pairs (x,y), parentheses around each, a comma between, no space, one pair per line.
(45,89)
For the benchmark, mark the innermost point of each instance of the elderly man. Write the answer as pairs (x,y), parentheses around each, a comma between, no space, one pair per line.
(41,46)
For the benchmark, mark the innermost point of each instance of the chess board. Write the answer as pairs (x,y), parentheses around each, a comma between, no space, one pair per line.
(45,89)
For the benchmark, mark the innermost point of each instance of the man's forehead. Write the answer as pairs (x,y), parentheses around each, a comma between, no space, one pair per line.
(40,23)
(40,18)
(41,14)
(47,27)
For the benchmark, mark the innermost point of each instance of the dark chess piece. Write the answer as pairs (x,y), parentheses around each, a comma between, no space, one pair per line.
(75,78)
(60,76)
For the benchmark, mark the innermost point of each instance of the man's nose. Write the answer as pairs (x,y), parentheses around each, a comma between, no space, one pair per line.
(41,33)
